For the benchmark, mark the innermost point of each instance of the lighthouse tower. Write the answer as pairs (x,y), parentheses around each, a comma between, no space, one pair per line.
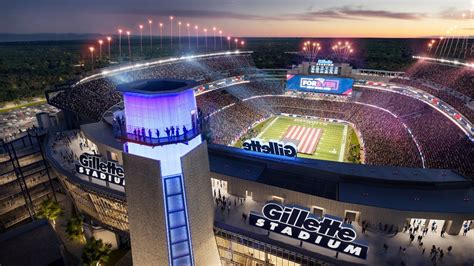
(168,187)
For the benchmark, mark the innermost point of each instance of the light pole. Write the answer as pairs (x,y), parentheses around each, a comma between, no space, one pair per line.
(189,37)
(92,57)
(108,42)
(228,41)
(220,37)
(129,47)
(100,50)
(120,43)
(196,27)
(141,39)
(214,32)
(161,35)
(151,36)
(205,34)
(236,43)
(179,34)
(242,43)
(171,29)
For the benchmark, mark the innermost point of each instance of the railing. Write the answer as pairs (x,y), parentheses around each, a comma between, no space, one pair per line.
(154,136)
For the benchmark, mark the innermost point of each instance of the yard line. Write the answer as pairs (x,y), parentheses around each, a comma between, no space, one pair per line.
(343,144)
(267,127)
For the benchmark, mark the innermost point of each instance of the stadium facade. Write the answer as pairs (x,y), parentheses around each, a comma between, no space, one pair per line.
(149,166)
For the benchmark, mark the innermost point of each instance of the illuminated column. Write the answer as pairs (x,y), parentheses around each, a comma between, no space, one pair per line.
(162,149)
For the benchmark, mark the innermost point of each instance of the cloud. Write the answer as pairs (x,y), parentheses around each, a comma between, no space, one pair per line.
(350,13)
(343,13)
(454,14)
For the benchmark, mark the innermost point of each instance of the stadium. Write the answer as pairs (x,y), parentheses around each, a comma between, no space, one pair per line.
(376,150)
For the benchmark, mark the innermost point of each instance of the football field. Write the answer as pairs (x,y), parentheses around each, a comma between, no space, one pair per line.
(314,138)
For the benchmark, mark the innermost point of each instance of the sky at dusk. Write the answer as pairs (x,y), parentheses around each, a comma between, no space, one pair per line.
(272,18)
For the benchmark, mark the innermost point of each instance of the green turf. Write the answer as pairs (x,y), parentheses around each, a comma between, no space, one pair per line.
(329,146)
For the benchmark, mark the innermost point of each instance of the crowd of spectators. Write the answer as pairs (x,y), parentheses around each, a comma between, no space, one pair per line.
(443,144)
(460,79)
(92,98)
(386,140)
(442,94)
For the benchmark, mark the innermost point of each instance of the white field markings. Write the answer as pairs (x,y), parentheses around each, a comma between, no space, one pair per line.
(343,144)
(267,127)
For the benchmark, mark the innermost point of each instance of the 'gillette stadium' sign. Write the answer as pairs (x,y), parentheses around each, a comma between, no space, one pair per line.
(300,224)
(272,147)
(320,84)
(91,165)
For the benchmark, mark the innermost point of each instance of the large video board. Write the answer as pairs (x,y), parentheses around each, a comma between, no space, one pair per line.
(319,84)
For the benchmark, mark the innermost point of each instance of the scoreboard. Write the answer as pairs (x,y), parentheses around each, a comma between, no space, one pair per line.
(320,84)
(324,67)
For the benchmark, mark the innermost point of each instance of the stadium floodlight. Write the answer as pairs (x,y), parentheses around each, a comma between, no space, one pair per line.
(91,49)
(100,50)
(214,32)
(189,36)
(179,34)
(161,35)
(141,38)
(129,47)
(196,27)
(205,33)
(171,30)
(120,42)
(109,39)
(151,36)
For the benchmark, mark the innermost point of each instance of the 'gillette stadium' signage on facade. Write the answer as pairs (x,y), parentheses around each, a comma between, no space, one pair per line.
(272,147)
(91,165)
(321,84)
(298,223)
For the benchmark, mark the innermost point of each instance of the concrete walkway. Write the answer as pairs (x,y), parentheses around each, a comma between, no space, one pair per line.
(462,246)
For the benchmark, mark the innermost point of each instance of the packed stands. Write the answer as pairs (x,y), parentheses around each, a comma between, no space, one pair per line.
(460,79)
(386,140)
(92,98)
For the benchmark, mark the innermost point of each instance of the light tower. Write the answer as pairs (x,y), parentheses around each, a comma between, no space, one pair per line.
(161,35)
(129,46)
(179,34)
(141,39)
(171,30)
(189,36)
(120,42)
(100,49)
(109,39)
(151,36)
(205,37)
(196,27)
(214,33)
(91,49)
(170,222)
